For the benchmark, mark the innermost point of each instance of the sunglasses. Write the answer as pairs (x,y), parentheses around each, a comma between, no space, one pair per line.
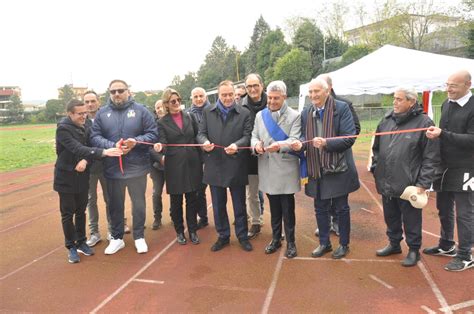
(115,91)
(175,101)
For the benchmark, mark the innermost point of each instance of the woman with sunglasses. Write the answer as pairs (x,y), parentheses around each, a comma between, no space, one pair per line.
(183,169)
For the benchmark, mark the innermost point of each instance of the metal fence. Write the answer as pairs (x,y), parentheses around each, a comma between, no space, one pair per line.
(370,117)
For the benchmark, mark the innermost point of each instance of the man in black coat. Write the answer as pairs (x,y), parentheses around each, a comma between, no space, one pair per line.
(456,134)
(71,176)
(401,160)
(224,128)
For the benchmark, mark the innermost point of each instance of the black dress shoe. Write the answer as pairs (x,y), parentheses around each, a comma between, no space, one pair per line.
(320,250)
(272,246)
(194,238)
(245,244)
(389,250)
(254,231)
(412,258)
(181,238)
(291,250)
(340,252)
(202,223)
(156,224)
(219,245)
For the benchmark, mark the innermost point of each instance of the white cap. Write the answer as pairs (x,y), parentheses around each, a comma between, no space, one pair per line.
(416,200)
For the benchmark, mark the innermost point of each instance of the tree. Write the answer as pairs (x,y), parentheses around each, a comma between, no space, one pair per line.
(293,69)
(213,70)
(54,108)
(354,53)
(15,109)
(272,48)
(308,37)
(66,94)
(249,57)
(335,47)
(140,97)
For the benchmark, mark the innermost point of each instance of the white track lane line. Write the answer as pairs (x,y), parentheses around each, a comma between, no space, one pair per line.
(381,209)
(271,289)
(156,282)
(441,299)
(134,277)
(367,210)
(458,306)
(427,309)
(31,263)
(380,281)
(29,220)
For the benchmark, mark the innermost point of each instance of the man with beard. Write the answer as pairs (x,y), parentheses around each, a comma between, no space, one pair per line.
(122,123)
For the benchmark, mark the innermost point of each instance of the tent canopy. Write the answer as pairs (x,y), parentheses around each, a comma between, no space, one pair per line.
(383,70)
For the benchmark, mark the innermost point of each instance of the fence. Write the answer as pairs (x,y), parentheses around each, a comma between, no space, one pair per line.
(370,117)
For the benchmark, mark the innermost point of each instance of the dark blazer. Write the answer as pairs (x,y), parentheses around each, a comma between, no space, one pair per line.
(72,147)
(183,168)
(339,184)
(221,169)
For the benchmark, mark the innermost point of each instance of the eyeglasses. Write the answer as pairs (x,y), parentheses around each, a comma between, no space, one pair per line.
(175,101)
(115,91)
(252,86)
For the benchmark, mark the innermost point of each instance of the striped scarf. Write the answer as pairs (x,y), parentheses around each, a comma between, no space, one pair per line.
(317,158)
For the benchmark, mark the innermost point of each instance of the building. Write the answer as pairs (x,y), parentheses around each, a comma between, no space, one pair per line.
(6,92)
(433,33)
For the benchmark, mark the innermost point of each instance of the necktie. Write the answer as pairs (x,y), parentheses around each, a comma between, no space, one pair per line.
(321,114)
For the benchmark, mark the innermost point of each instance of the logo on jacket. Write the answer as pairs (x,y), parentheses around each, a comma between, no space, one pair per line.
(468,182)
(108,115)
(131,114)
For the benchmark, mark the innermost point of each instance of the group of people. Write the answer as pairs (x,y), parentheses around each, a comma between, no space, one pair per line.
(250,141)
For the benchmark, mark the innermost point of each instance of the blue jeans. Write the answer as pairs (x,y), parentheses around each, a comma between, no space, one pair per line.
(221,220)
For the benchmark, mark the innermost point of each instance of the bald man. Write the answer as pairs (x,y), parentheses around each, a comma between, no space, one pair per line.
(456,134)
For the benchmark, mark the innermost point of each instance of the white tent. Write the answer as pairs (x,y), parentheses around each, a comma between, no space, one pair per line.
(388,67)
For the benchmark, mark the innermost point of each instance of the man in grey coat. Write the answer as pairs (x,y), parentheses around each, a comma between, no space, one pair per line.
(276,128)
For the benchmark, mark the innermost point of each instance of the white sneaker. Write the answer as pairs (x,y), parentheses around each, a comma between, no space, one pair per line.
(114,246)
(94,239)
(141,246)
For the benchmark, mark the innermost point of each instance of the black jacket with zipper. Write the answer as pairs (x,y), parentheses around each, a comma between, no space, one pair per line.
(404,159)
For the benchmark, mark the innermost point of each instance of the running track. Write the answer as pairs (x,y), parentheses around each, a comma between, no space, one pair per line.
(35,275)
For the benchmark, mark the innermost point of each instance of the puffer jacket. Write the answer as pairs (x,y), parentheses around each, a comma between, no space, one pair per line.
(131,120)
(404,159)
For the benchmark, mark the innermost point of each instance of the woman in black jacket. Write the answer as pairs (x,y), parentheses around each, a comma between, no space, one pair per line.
(71,176)
(183,169)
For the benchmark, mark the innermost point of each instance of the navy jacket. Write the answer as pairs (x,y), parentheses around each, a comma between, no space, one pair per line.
(131,120)
(339,184)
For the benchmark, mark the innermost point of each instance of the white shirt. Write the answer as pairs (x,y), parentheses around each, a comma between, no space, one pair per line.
(463,100)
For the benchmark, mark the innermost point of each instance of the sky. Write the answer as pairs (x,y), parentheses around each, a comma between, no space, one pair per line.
(47,44)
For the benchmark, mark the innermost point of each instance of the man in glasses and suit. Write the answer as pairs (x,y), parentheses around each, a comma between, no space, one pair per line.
(122,123)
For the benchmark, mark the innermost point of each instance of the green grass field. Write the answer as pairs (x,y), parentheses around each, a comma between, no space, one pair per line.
(24,146)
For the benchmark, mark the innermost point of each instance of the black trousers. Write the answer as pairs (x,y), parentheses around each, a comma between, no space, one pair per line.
(282,208)
(464,220)
(398,213)
(177,211)
(73,217)
(202,203)
(158,179)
